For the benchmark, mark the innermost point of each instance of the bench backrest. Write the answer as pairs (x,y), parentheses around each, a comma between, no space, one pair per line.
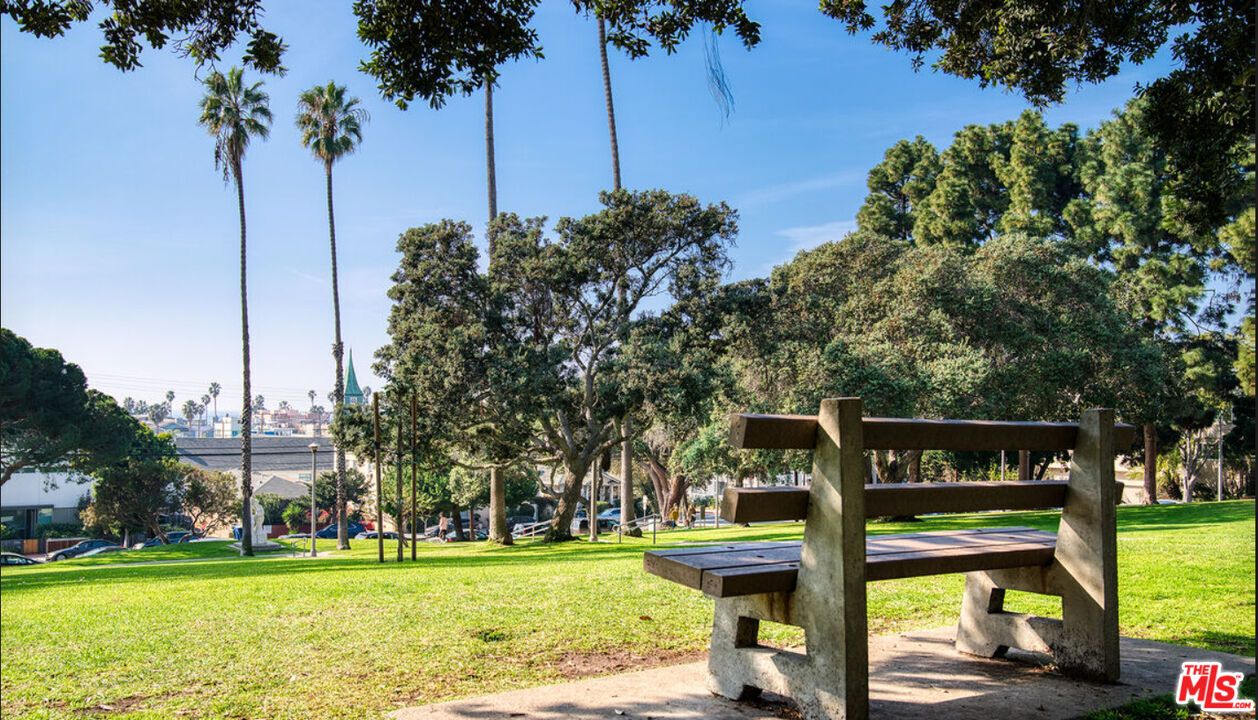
(799,432)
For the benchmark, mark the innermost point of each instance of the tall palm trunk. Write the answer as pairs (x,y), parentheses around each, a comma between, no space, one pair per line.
(246,414)
(626,448)
(498,530)
(490,172)
(611,110)
(338,353)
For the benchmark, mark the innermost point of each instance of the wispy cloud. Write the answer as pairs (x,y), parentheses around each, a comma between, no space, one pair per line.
(321,281)
(806,238)
(778,193)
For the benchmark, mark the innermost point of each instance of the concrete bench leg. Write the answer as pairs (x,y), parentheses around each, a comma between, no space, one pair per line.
(728,674)
(1084,573)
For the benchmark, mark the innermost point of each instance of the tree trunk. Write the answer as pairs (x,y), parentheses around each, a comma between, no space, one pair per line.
(498,530)
(915,467)
(627,512)
(883,464)
(491,176)
(1150,464)
(611,110)
(459,535)
(246,413)
(561,524)
(596,481)
(338,352)
(1024,464)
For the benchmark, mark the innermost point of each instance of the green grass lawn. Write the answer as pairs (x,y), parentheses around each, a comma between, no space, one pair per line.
(345,637)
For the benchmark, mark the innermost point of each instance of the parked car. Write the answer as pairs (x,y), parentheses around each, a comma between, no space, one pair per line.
(79,548)
(102,550)
(178,536)
(16,559)
(330,531)
(611,513)
(371,535)
(452,536)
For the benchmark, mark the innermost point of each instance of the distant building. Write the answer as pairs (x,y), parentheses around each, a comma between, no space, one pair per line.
(353,393)
(31,498)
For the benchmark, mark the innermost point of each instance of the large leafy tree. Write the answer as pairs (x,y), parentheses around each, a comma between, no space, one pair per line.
(568,299)
(49,420)
(134,492)
(331,127)
(453,350)
(433,50)
(634,24)
(235,113)
(208,498)
(1201,112)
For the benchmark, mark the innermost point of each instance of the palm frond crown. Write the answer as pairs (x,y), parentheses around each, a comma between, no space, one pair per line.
(233,113)
(330,123)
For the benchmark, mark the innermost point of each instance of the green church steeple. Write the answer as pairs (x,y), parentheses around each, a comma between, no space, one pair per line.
(353,393)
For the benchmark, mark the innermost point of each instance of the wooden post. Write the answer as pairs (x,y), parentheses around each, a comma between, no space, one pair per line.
(397,518)
(1024,464)
(414,470)
(375,409)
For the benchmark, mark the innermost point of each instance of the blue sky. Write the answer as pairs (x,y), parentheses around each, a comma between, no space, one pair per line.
(119,241)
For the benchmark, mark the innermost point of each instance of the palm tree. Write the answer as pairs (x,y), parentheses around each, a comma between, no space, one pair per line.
(234,114)
(170,398)
(205,406)
(215,389)
(311,395)
(331,127)
(190,410)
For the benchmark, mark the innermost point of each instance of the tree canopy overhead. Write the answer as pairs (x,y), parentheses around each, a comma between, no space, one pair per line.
(1201,113)
(200,29)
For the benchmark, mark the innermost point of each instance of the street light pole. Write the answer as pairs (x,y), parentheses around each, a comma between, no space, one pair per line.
(314,449)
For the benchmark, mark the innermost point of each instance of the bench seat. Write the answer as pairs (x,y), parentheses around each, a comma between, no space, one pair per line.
(750,568)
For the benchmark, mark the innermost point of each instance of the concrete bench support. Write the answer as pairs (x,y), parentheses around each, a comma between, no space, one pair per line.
(832,679)
(1084,573)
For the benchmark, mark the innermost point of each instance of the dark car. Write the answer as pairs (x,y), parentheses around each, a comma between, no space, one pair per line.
(178,536)
(103,550)
(453,536)
(371,535)
(330,531)
(79,548)
(16,559)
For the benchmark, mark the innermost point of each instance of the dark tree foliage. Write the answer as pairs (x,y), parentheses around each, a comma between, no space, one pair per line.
(1201,113)
(49,420)
(635,23)
(432,50)
(200,29)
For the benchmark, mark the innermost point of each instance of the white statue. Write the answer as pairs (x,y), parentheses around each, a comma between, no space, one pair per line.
(256,517)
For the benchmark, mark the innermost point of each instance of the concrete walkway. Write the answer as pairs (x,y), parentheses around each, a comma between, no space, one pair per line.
(914,676)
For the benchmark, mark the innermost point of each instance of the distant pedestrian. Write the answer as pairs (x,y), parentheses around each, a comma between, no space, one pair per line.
(690,516)
(442,526)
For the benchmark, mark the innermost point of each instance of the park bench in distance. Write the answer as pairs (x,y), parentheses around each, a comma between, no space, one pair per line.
(819,584)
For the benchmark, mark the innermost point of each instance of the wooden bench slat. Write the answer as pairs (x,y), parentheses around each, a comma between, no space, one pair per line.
(743,505)
(799,432)
(745,569)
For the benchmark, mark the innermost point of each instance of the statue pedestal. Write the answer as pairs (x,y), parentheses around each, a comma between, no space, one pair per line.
(260,545)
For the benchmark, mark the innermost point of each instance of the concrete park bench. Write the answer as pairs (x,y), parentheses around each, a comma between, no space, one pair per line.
(819,584)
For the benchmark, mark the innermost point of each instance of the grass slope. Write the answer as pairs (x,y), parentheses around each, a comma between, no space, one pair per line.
(345,637)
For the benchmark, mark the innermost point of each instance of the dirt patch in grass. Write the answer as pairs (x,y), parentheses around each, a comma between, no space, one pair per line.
(576,664)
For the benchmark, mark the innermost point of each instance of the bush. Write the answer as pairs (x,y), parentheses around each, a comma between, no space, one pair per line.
(59,530)
(272,507)
(295,515)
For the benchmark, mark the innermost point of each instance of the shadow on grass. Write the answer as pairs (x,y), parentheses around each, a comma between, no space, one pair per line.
(1222,642)
(1132,519)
